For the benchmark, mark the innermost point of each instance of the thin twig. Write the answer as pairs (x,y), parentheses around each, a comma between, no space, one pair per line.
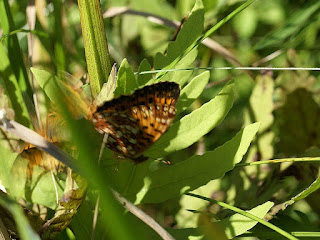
(35,139)
(95,217)
(268,58)
(143,217)
(111,12)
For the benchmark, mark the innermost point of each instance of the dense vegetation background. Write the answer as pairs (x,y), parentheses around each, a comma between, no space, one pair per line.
(215,147)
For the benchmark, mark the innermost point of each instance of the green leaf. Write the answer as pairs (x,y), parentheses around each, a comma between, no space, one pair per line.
(295,24)
(108,88)
(181,77)
(187,219)
(7,159)
(12,89)
(126,81)
(144,79)
(38,187)
(60,93)
(238,224)
(192,91)
(190,32)
(192,127)
(192,173)
(14,51)
(24,228)
(261,107)
(261,101)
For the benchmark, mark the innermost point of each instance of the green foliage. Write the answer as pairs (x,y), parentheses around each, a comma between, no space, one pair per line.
(6,166)
(24,228)
(294,26)
(195,171)
(40,189)
(238,224)
(226,122)
(194,125)
(126,82)
(192,91)
(11,86)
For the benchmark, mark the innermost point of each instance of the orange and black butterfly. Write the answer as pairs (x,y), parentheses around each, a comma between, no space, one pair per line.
(134,122)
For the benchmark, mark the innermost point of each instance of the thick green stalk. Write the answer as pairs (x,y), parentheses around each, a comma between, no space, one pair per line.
(95,44)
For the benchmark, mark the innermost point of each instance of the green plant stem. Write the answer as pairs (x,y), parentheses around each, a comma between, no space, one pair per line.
(60,59)
(95,44)
(246,214)
(306,159)
(14,50)
(207,34)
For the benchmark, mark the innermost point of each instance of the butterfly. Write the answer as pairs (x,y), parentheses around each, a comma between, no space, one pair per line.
(134,122)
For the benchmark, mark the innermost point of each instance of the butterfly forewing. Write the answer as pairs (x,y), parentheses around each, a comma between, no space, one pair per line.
(136,121)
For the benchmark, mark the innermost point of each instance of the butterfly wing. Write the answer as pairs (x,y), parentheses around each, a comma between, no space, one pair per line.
(133,123)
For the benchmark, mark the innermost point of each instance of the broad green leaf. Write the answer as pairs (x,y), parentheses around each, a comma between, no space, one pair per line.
(61,94)
(7,159)
(295,24)
(192,127)
(179,76)
(261,107)
(36,186)
(144,79)
(82,224)
(171,181)
(126,82)
(124,172)
(238,224)
(187,219)
(24,228)
(192,91)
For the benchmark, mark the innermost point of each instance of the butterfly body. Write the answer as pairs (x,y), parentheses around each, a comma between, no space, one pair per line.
(134,122)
